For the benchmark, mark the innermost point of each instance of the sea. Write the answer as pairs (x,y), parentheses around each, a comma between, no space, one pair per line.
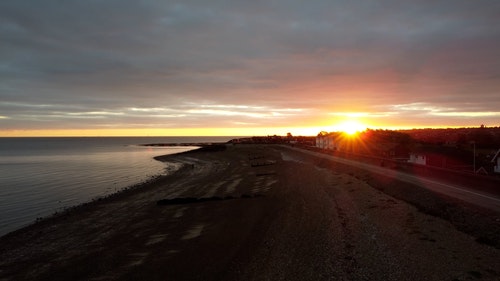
(42,176)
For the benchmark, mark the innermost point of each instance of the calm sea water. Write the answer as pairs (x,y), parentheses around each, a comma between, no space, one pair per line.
(39,176)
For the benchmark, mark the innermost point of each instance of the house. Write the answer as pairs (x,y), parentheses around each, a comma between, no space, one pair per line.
(496,159)
(327,141)
(320,140)
(418,158)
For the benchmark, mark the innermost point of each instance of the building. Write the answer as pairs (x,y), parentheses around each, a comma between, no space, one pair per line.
(328,141)
(496,159)
(418,158)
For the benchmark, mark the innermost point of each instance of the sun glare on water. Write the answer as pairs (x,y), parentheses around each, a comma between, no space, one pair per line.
(351,127)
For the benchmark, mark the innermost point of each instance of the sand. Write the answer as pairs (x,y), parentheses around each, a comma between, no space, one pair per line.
(250,212)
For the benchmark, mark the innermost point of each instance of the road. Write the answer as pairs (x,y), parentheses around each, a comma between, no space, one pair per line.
(464,193)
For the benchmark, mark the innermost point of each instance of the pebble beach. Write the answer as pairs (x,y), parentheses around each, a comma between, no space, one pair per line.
(250,212)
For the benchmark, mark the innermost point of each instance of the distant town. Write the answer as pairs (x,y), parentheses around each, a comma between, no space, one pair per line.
(468,150)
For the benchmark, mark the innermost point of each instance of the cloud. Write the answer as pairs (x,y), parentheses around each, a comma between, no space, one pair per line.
(199,62)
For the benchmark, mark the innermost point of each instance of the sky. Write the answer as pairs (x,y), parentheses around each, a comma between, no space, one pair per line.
(106,67)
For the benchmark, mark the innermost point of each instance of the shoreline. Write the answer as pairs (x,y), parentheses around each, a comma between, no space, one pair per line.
(109,196)
(40,177)
(305,220)
(126,190)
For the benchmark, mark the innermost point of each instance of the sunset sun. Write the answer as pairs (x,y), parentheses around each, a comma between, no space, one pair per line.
(351,127)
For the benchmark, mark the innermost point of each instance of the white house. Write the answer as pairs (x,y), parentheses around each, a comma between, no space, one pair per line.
(320,141)
(496,159)
(327,141)
(416,158)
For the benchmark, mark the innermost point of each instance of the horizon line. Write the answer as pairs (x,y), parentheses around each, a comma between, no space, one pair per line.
(210,132)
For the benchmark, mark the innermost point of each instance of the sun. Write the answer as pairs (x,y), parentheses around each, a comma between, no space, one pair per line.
(351,127)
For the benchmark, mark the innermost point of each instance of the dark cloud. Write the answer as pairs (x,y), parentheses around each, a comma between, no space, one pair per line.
(88,63)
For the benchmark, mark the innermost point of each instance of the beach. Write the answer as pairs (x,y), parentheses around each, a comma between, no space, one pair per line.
(258,212)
